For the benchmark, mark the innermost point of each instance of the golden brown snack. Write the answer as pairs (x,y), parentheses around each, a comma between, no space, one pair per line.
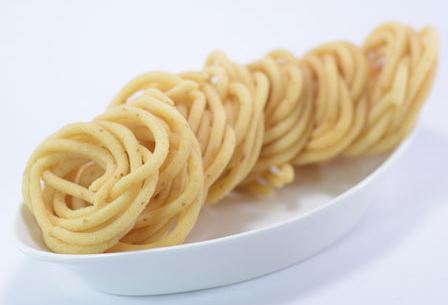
(137,176)
(103,186)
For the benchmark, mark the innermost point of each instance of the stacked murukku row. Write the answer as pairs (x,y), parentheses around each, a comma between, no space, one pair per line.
(137,176)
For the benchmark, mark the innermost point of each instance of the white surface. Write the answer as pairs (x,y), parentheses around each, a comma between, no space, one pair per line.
(63,61)
(259,236)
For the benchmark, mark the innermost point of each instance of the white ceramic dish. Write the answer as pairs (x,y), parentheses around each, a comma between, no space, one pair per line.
(236,240)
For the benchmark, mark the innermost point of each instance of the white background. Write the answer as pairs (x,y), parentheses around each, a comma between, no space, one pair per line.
(62,61)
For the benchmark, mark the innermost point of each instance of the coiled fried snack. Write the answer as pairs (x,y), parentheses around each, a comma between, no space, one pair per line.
(101,185)
(137,176)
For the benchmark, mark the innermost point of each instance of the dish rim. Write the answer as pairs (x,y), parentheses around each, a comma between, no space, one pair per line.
(46,255)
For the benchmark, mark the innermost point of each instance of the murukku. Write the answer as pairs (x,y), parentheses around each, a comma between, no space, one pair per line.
(138,175)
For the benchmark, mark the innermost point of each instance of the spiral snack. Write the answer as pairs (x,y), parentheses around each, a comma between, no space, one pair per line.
(243,95)
(99,179)
(224,107)
(137,176)
(402,65)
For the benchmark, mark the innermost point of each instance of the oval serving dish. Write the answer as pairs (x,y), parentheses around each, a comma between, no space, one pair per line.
(236,240)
